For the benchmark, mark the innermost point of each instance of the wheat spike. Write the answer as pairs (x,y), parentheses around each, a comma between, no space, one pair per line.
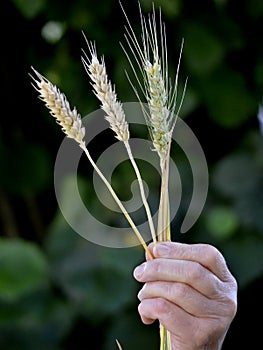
(150,54)
(69,119)
(106,94)
(159,113)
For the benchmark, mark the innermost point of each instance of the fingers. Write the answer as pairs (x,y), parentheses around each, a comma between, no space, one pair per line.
(183,296)
(190,290)
(170,315)
(206,255)
(183,271)
(187,331)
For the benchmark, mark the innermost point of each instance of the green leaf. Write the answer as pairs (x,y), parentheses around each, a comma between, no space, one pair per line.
(40,318)
(107,292)
(221,221)
(30,8)
(23,268)
(97,279)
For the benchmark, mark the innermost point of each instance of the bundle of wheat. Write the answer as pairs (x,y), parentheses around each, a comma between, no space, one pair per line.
(150,54)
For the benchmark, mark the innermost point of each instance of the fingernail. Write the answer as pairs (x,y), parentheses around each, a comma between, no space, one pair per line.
(138,272)
(161,250)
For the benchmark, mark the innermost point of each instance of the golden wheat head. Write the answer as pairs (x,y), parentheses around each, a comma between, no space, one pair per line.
(58,105)
(105,92)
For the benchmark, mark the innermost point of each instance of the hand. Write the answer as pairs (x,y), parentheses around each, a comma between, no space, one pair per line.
(190,290)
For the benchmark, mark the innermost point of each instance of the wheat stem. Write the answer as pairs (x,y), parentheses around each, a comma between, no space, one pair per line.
(165,339)
(116,198)
(138,174)
(115,115)
(164,207)
(162,337)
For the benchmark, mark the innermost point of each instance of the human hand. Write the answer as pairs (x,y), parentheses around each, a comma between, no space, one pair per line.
(190,290)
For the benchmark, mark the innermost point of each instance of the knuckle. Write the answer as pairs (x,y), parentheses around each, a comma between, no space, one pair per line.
(232,307)
(211,253)
(178,291)
(154,267)
(162,306)
(143,310)
(196,272)
(234,284)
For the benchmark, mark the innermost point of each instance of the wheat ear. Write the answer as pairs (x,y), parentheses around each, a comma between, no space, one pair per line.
(56,102)
(115,115)
(106,94)
(71,124)
(150,55)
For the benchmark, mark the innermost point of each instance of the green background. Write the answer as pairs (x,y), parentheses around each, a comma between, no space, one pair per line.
(59,291)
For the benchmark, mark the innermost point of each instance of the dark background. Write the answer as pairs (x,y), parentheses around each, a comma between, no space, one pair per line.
(59,291)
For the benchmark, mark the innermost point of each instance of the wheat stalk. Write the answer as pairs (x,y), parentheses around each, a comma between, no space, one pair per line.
(71,124)
(115,115)
(150,55)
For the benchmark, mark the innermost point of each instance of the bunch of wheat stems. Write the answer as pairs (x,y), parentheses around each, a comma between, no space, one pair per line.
(150,54)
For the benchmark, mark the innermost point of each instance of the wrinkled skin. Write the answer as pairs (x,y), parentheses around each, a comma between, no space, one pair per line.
(190,290)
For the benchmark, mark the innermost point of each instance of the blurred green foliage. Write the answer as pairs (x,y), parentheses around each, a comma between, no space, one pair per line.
(57,290)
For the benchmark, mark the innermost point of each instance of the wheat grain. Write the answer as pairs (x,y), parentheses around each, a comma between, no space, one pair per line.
(69,119)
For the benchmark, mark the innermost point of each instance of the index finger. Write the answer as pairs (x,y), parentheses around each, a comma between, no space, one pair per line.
(205,254)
